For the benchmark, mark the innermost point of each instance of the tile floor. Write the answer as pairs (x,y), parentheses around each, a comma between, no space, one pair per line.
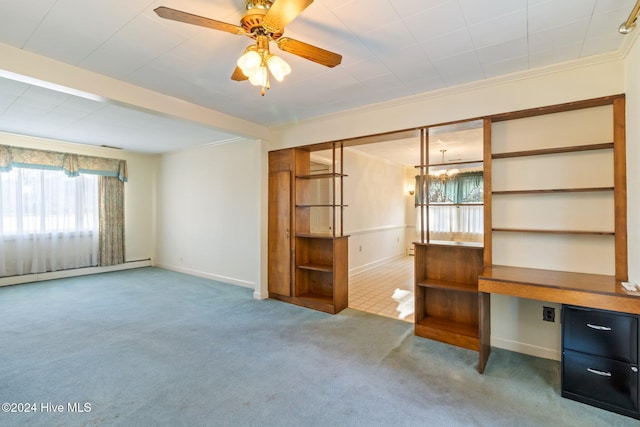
(372,290)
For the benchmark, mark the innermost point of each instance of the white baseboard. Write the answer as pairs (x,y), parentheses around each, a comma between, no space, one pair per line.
(260,295)
(38,277)
(374,264)
(216,277)
(520,347)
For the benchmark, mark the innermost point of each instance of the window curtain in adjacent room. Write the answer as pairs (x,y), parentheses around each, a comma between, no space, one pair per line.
(111,221)
(49,209)
(452,215)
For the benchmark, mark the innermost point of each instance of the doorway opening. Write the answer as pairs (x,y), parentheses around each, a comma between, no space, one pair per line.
(390,195)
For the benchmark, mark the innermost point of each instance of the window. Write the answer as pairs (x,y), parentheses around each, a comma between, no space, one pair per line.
(48,221)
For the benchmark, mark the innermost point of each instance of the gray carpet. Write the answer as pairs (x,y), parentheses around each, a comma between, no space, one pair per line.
(150,347)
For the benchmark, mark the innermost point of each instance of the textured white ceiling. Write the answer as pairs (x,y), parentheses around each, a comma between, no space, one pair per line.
(390,49)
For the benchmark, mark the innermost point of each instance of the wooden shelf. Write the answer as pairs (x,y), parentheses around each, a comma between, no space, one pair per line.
(441,243)
(540,231)
(465,335)
(451,286)
(324,299)
(322,206)
(319,302)
(553,190)
(318,236)
(322,175)
(557,150)
(317,267)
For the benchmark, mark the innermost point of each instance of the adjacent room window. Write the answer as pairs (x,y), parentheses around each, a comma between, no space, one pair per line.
(48,221)
(455,207)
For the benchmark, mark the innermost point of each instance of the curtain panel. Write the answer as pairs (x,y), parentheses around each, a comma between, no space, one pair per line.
(111,217)
(71,164)
(466,187)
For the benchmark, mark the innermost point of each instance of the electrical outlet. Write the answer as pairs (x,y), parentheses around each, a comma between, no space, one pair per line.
(549,314)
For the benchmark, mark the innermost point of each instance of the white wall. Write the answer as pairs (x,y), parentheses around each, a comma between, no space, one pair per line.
(375,218)
(209,212)
(632,83)
(592,78)
(139,190)
(517,323)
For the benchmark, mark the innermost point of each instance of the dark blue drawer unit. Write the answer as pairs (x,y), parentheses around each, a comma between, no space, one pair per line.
(600,359)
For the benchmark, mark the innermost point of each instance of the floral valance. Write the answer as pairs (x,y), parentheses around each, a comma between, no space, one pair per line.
(71,164)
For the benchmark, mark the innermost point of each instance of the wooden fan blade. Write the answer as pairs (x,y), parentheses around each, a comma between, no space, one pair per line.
(238,75)
(188,18)
(307,51)
(282,12)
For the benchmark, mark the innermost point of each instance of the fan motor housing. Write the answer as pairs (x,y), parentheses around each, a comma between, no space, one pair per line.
(254,16)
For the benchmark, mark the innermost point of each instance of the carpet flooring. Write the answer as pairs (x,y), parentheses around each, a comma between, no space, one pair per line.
(151,347)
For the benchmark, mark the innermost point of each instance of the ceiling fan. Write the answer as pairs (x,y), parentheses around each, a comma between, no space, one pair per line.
(263,21)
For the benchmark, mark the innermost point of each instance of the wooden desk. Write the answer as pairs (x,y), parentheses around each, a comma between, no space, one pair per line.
(586,290)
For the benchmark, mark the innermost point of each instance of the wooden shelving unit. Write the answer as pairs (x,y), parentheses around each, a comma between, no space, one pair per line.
(617,191)
(566,285)
(318,262)
(448,306)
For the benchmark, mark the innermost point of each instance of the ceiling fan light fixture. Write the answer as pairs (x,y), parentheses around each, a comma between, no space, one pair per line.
(260,77)
(264,21)
(250,62)
(278,67)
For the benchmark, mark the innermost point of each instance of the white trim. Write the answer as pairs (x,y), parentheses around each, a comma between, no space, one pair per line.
(216,277)
(474,85)
(51,275)
(374,264)
(376,229)
(524,348)
(260,295)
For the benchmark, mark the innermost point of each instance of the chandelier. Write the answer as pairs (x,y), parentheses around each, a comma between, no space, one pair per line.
(444,174)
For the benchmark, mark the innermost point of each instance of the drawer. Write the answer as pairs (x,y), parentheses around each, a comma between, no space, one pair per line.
(603,380)
(601,333)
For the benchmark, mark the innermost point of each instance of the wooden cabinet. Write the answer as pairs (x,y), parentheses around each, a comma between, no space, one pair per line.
(281,222)
(321,272)
(305,268)
(448,306)
(600,359)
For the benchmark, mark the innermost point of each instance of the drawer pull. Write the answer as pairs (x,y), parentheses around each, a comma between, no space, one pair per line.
(598,327)
(601,373)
